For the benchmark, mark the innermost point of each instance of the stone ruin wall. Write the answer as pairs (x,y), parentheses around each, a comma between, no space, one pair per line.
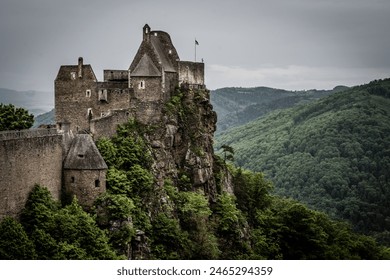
(28,158)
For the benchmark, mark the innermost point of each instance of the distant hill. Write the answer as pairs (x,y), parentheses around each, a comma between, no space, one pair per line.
(333,154)
(45,119)
(237,106)
(36,102)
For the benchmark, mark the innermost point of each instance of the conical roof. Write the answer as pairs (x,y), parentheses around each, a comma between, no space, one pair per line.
(84,155)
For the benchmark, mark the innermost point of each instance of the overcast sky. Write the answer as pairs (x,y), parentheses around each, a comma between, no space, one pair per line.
(288,44)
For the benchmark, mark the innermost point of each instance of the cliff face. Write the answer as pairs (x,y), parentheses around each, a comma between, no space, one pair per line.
(182,142)
(168,171)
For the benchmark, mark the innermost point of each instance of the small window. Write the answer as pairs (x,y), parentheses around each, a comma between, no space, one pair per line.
(72,180)
(80,155)
(88,93)
(97,183)
(155,33)
(170,51)
(141,85)
(89,113)
(73,75)
(103,95)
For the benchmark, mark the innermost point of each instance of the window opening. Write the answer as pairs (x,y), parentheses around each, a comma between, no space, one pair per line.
(141,85)
(103,95)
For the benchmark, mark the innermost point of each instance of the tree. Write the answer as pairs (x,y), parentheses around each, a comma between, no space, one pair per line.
(12,118)
(14,242)
(228,152)
(63,233)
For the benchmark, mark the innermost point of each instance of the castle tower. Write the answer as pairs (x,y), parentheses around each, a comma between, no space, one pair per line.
(84,171)
(75,89)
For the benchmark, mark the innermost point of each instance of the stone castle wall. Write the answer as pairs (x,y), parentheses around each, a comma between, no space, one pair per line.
(191,73)
(28,158)
(86,185)
(106,126)
(73,97)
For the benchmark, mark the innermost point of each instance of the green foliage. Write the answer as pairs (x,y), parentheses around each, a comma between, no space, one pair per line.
(332,154)
(252,192)
(227,152)
(12,118)
(63,233)
(108,150)
(114,214)
(14,242)
(230,228)
(169,241)
(126,148)
(295,232)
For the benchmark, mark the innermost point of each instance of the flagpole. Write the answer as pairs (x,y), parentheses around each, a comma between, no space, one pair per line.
(195,49)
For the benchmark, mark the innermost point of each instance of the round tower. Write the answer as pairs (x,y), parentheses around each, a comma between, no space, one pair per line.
(84,171)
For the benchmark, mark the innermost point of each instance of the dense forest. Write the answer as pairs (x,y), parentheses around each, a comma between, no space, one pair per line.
(133,219)
(332,154)
(237,106)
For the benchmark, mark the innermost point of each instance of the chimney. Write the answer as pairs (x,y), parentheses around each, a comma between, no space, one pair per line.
(146,32)
(80,67)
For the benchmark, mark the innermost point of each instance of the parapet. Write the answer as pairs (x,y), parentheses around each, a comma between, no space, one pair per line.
(116,75)
(28,133)
(191,73)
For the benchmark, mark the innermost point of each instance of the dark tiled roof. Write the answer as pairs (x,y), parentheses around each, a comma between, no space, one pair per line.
(161,52)
(84,155)
(145,68)
(65,70)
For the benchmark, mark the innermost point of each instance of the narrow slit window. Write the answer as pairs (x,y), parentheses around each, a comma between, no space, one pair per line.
(88,93)
(72,179)
(97,183)
(141,85)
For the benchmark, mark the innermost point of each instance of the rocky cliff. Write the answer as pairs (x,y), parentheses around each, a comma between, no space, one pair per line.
(182,143)
(168,169)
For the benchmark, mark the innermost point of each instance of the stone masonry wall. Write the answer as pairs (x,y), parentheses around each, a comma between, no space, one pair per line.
(86,185)
(191,73)
(25,162)
(106,126)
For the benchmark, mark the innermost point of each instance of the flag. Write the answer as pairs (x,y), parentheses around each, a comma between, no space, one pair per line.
(196,42)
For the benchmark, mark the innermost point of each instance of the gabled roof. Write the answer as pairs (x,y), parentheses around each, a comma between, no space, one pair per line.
(65,70)
(161,51)
(145,68)
(84,155)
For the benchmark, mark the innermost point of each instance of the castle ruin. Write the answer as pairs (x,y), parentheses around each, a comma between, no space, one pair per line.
(65,159)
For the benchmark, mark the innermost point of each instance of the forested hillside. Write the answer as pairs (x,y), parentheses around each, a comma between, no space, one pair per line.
(237,106)
(332,154)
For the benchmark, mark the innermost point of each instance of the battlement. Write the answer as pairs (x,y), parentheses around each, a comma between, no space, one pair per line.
(28,133)
(116,75)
